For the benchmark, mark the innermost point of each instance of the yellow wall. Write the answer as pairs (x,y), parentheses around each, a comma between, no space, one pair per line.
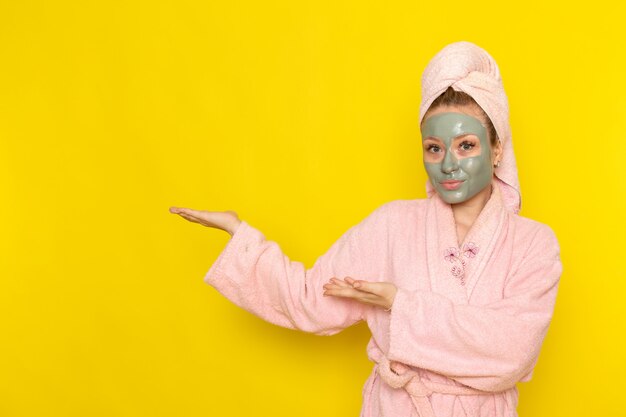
(302,117)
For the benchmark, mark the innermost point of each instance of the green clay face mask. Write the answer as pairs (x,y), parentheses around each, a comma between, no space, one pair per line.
(458,166)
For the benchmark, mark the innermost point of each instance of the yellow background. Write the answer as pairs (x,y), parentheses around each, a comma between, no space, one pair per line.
(302,117)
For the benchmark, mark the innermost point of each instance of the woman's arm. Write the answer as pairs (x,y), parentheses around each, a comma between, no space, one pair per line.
(255,274)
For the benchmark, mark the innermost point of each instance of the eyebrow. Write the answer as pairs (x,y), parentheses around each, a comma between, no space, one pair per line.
(456,137)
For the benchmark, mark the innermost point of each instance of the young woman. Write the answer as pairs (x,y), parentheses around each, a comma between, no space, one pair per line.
(457,289)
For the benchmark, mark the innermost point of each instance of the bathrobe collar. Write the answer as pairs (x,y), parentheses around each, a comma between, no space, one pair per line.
(455,269)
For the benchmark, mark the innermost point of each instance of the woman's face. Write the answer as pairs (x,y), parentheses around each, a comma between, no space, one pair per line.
(458,156)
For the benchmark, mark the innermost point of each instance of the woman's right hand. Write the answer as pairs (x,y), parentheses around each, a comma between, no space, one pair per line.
(225,220)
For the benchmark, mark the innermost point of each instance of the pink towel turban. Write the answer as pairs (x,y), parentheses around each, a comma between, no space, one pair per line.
(469,68)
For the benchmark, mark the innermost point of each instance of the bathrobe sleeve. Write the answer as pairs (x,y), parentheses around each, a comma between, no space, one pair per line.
(489,347)
(255,274)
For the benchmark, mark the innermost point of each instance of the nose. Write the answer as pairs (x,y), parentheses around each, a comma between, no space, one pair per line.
(450,163)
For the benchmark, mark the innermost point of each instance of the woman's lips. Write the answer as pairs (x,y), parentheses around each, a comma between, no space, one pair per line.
(450,185)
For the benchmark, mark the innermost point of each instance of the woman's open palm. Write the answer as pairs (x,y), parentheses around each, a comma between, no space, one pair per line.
(225,220)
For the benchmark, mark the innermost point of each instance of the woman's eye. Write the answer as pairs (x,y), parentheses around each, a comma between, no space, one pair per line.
(467,146)
(433,148)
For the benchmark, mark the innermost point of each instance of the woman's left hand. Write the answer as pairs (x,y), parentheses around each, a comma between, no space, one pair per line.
(379,294)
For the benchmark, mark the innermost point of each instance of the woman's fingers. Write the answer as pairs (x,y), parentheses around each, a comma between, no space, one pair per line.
(225,220)
(187,212)
(362,285)
(188,216)
(340,282)
(371,287)
(350,283)
(334,290)
(333,286)
(346,291)
(351,293)
(182,211)
(179,210)
(350,280)
(379,294)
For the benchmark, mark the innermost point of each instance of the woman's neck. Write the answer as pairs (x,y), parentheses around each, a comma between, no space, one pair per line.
(465,213)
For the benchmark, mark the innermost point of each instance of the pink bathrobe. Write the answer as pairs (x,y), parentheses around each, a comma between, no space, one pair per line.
(467,322)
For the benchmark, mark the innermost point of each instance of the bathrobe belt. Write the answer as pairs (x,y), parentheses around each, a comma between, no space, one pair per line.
(398,375)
